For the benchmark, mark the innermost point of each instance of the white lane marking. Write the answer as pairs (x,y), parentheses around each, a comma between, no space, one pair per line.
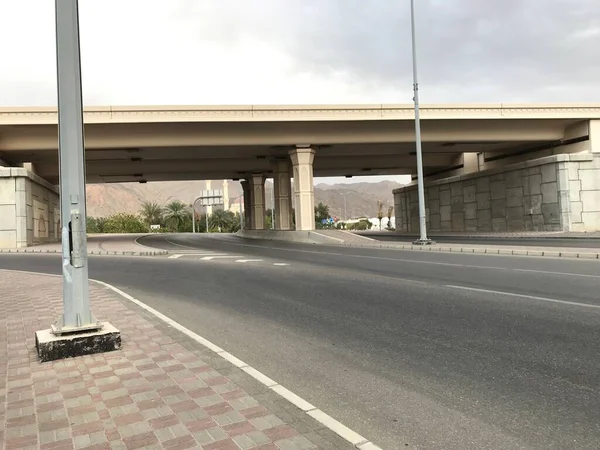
(210,258)
(532,297)
(281,264)
(259,376)
(341,429)
(180,255)
(248,260)
(434,263)
(293,398)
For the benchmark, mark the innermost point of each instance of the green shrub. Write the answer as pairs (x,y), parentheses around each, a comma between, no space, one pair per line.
(124,223)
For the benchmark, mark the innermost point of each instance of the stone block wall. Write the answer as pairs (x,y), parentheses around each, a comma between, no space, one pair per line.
(29,209)
(555,193)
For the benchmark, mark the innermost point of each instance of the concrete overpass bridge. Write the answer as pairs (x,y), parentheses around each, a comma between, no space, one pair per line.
(251,143)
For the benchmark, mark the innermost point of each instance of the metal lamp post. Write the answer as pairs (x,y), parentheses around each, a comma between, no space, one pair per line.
(345,210)
(194,214)
(273,206)
(423,240)
(76,315)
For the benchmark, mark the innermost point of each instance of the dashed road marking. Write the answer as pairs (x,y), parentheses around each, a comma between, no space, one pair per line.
(281,264)
(248,260)
(210,258)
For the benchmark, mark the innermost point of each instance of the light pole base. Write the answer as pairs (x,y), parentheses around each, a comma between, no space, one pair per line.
(59,328)
(423,242)
(51,347)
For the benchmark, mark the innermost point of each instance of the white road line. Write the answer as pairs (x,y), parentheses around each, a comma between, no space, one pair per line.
(248,260)
(281,264)
(341,429)
(413,261)
(531,297)
(179,255)
(210,258)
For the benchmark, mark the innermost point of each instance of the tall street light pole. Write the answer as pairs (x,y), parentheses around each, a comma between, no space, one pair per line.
(345,210)
(76,306)
(423,240)
(194,215)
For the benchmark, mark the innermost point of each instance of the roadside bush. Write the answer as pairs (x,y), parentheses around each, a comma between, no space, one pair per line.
(95,225)
(124,223)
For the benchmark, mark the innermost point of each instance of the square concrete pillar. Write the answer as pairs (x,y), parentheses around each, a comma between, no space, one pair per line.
(283,195)
(304,193)
(257,197)
(247,204)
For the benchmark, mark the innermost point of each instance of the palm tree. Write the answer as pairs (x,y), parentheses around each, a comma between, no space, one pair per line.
(224,221)
(380,212)
(152,213)
(176,213)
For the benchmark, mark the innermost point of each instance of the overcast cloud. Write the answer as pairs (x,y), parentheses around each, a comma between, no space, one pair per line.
(309,51)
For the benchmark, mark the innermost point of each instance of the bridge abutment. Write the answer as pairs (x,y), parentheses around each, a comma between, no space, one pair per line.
(29,209)
(554,193)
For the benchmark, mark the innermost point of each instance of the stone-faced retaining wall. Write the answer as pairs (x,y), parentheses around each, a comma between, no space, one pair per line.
(29,209)
(555,193)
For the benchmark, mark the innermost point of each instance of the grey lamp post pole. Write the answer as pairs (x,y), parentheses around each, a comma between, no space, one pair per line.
(76,305)
(273,206)
(345,209)
(194,215)
(423,240)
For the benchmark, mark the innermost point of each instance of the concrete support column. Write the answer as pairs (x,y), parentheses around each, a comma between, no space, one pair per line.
(283,195)
(304,194)
(258,202)
(595,136)
(247,204)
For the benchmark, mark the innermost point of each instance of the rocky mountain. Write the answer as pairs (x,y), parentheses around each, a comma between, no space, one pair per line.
(361,198)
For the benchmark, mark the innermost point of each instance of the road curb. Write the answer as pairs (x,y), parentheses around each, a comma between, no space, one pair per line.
(93,252)
(483,250)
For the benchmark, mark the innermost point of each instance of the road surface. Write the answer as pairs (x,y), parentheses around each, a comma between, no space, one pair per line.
(410,349)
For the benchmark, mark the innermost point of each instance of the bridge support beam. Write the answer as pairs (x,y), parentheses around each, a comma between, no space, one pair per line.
(304,194)
(594,130)
(257,197)
(283,195)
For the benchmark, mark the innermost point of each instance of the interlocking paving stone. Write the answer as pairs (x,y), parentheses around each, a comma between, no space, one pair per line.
(162,390)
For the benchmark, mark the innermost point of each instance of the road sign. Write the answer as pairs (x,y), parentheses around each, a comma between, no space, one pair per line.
(211,197)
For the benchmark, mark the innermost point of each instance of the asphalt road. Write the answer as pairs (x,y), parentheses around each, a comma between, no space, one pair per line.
(552,242)
(381,341)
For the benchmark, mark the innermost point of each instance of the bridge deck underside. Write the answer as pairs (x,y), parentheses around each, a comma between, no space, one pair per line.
(209,150)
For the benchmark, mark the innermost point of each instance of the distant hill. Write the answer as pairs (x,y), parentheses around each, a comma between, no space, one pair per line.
(106,199)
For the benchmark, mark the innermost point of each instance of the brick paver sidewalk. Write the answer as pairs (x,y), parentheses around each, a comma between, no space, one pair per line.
(161,390)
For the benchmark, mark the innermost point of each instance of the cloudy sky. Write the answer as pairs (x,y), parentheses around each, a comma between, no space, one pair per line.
(308,51)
